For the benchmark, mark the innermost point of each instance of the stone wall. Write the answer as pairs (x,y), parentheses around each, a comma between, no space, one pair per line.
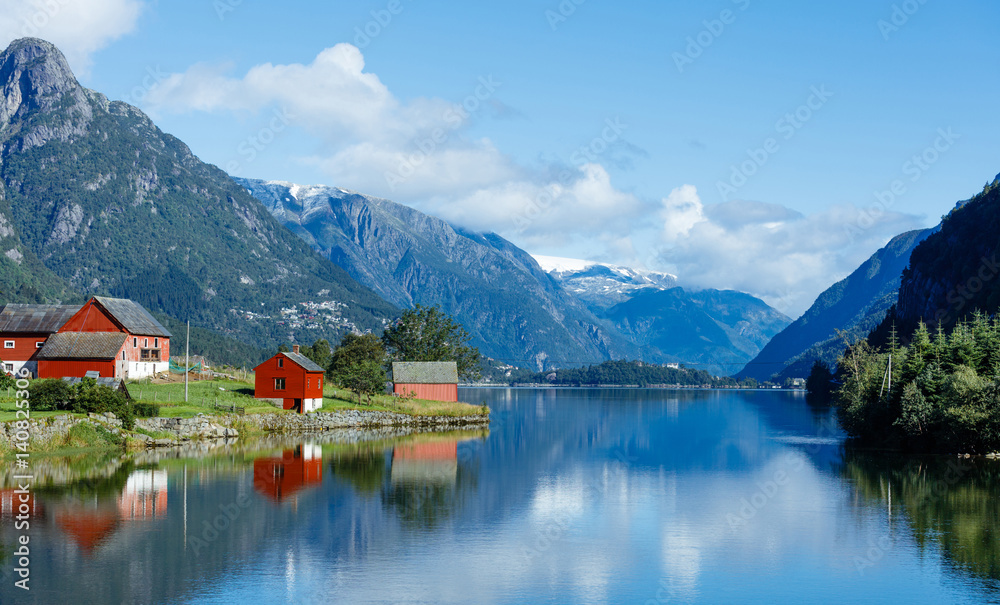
(203,427)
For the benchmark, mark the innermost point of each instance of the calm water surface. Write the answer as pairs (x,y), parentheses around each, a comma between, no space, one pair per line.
(572,496)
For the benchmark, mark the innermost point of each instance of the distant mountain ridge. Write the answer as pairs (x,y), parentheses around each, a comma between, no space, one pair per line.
(854,306)
(95,199)
(513,310)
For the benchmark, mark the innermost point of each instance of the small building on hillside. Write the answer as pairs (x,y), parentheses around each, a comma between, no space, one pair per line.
(434,380)
(24,330)
(293,378)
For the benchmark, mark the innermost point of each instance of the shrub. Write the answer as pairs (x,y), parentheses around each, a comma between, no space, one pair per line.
(50,394)
(145,410)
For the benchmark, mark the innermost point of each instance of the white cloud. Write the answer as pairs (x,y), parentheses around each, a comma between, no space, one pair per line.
(769,250)
(418,152)
(78,27)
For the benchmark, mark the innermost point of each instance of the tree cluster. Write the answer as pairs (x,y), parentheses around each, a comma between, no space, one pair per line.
(942,392)
(360,362)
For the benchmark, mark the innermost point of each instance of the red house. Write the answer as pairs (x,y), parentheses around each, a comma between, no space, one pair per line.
(293,378)
(434,380)
(114,336)
(24,330)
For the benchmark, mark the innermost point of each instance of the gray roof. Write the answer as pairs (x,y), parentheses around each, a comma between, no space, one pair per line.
(305,362)
(425,372)
(83,345)
(133,316)
(35,318)
(112,383)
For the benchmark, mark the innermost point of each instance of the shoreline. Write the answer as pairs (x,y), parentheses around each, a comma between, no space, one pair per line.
(46,432)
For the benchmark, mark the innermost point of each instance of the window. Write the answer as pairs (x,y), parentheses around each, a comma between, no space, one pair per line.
(319,383)
(123,355)
(8,344)
(8,367)
(135,342)
(156,342)
(281,362)
(149,355)
(308,380)
(145,342)
(279,384)
(39,345)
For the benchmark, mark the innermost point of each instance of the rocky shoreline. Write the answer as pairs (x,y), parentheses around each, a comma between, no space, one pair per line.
(227,426)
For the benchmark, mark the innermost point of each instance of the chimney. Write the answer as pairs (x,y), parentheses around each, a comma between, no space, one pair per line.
(295,349)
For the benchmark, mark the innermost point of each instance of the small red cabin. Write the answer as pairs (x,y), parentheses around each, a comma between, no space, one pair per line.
(293,378)
(434,380)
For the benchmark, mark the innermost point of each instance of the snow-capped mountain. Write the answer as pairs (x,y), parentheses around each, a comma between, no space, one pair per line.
(602,285)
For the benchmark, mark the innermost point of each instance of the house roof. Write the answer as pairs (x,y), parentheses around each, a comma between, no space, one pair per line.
(35,318)
(116,384)
(83,345)
(425,372)
(308,364)
(133,316)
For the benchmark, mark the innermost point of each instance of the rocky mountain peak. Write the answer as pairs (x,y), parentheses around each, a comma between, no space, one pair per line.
(36,78)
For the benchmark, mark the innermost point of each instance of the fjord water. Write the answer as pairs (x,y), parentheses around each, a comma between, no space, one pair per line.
(572,496)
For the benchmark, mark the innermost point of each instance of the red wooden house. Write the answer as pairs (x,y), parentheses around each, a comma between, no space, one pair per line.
(113,336)
(434,380)
(293,378)
(24,330)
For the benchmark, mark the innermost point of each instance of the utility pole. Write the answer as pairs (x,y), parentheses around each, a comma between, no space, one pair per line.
(187,359)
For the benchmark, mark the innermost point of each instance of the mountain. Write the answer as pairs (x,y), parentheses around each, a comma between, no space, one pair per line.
(95,199)
(953,272)
(717,330)
(600,285)
(512,309)
(854,305)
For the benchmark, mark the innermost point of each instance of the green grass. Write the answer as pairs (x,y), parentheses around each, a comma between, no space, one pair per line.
(339,399)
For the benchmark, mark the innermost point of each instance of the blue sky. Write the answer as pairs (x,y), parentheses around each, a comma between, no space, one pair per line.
(737,143)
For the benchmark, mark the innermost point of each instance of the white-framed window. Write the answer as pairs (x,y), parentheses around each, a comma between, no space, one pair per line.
(156,342)
(8,367)
(8,344)
(145,342)
(319,382)
(135,342)
(39,344)
(279,384)
(281,362)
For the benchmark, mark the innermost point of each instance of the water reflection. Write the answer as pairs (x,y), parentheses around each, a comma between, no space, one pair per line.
(952,504)
(281,478)
(571,496)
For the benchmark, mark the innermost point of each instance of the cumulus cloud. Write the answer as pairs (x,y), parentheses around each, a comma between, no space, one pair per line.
(78,27)
(768,250)
(418,151)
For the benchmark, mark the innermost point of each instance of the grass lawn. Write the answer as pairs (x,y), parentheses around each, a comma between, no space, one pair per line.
(203,394)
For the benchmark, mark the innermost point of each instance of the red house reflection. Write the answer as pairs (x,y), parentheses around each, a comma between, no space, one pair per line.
(279,478)
(429,462)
